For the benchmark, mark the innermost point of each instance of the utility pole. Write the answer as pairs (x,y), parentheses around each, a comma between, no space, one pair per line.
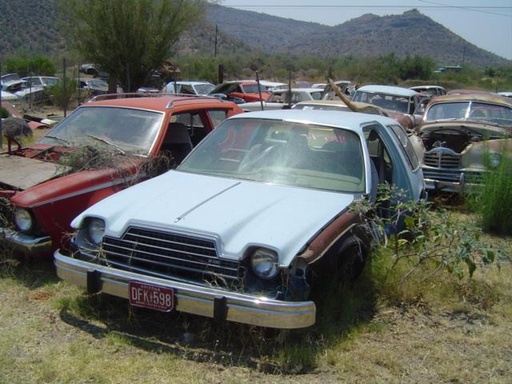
(215,49)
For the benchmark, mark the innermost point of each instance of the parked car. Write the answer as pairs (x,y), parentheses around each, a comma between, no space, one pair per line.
(271,86)
(283,98)
(8,77)
(93,86)
(465,135)
(103,146)
(8,96)
(251,221)
(430,90)
(41,81)
(93,69)
(403,104)
(246,90)
(189,87)
(24,91)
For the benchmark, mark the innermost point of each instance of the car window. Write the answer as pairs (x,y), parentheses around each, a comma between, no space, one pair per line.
(187,89)
(203,89)
(379,153)
(218,116)
(405,145)
(287,153)
(442,111)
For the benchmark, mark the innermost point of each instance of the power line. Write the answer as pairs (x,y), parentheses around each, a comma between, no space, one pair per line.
(437,6)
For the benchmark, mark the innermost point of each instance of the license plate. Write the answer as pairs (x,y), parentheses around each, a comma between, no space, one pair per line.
(151,296)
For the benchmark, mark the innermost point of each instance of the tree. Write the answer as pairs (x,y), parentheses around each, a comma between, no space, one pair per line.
(129,38)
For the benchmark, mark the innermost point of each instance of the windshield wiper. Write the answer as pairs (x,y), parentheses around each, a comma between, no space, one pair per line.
(121,151)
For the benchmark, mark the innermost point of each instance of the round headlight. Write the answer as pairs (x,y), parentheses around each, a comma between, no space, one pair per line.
(264,263)
(95,230)
(494,159)
(23,220)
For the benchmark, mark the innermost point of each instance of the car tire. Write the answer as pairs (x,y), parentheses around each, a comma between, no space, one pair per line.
(351,262)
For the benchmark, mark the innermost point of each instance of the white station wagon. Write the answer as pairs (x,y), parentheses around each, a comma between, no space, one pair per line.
(257,214)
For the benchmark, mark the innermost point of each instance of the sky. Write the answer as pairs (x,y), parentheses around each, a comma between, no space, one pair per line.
(484,23)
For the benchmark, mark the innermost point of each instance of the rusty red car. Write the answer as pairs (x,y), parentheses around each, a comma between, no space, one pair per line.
(102,147)
(241,91)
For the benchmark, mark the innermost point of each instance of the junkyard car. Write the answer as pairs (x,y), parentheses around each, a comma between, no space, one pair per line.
(245,226)
(188,87)
(42,81)
(402,104)
(283,98)
(246,90)
(24,91)
(464,135)
(102,147)
(430,90)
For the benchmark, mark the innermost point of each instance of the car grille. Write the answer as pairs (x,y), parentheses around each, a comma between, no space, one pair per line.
(442,158)
(173,255)
(453,176)
(442,175)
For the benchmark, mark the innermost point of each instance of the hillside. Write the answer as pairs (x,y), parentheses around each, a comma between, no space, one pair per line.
(24,32)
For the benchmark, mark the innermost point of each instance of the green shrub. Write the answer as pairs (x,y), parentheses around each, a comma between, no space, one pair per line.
(494,202)
(4,113)
(62,93)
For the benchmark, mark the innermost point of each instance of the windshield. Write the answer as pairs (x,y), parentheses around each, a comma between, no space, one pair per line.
(476,111)
(203,89)
(253,88)
(385,101)
(286,153)
(129,131)
(97,83)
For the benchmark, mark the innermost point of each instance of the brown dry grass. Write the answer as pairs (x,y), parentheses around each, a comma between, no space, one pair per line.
(50,332)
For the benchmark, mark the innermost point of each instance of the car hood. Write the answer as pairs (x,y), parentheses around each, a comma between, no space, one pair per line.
(237,214)
(487,130)
(20,173)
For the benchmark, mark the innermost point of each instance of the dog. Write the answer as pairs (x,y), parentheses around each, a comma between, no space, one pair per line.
(14,129)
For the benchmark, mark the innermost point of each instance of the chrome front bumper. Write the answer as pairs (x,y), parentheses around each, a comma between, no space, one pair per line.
(25,244)
(198,300)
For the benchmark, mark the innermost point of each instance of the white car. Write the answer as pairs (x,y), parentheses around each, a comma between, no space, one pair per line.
(258,214)
(403,104)
(8,96)
(24,91)
(189,87)
(42,81)
(283,98)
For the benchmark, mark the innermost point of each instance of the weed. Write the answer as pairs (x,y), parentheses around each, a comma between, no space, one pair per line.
(493,203)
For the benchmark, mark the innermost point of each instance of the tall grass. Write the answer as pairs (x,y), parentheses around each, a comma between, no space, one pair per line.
(494,202)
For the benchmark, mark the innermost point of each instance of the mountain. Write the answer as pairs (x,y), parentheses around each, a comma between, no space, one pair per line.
(31,27)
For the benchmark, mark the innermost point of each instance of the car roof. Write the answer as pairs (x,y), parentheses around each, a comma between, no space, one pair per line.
(388,89)
(342,119)
(158,102)
(465,97)
(426,87)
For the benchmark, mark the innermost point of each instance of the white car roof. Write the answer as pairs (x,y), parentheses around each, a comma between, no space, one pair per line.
(342,119)
(387,89)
